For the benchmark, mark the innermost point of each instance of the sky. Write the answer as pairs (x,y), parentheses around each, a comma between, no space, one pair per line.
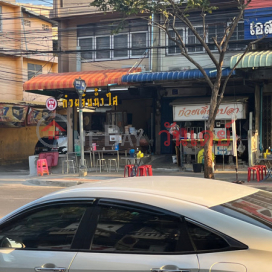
(37,2)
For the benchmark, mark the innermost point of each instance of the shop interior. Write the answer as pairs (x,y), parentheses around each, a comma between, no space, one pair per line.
(128,125)
(223,130)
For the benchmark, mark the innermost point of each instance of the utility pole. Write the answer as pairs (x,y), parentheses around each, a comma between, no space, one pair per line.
(80,86)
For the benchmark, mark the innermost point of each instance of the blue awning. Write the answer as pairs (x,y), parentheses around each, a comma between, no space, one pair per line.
(171,76)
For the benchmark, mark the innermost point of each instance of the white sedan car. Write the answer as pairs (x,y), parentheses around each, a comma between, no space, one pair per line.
(167,224)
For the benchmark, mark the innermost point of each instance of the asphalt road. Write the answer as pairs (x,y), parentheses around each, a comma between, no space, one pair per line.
(14,194)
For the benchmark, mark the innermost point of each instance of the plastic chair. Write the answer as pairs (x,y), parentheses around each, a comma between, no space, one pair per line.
(129,169)
(262,169)
(142,171)
(253,169)
(149,169)
(42,167)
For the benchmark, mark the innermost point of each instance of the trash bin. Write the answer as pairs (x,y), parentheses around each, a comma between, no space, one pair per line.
(77,150)
(197,167)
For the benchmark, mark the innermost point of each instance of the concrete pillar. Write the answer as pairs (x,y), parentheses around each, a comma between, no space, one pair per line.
(70,129)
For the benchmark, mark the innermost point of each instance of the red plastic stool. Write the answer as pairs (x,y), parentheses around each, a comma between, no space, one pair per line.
(262,169)
(129,169)
(142,171)
(253,169)
(149,170)
(42,167)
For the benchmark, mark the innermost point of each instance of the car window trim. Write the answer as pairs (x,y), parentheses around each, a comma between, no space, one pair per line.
(233,243)
(42,206)
(86,229)
(124,203)
(136,205)
(48,202)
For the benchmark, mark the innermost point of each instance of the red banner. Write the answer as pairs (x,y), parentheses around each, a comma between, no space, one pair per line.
(256,4)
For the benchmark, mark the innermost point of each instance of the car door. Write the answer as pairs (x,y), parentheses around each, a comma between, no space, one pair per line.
(133,237)
(216,252)
(42,238)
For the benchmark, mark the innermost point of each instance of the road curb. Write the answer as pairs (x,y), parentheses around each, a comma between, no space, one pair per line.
(56,183)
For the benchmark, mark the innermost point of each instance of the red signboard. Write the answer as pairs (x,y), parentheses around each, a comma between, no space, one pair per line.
(256,4)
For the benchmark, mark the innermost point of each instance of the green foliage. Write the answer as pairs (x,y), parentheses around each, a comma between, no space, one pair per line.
(132,7)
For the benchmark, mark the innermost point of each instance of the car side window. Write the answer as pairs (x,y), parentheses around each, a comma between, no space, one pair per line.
(134,229)
(205,240)
(52,227)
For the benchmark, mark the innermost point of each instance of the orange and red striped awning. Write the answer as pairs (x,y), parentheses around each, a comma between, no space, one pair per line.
(98,78)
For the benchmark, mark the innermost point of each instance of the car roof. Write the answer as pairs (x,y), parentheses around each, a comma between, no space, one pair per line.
(205,192)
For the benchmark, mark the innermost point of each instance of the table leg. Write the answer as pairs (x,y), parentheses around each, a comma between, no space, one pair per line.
(268,175)
(118,162)
(100,164)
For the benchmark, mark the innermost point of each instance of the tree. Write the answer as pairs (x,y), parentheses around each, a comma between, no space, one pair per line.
(170,12)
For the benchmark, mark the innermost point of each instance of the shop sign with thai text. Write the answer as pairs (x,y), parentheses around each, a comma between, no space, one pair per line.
(201,112)
(110,100)
(257,24)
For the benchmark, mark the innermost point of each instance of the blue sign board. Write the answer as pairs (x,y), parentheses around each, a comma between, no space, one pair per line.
(80,85)
(258,23)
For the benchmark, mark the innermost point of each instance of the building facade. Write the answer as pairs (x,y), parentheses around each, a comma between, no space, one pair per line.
(23,36)
(169,88)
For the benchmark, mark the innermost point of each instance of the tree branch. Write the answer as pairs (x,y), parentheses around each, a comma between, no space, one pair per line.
(180,14)
(221,95)
(216,44)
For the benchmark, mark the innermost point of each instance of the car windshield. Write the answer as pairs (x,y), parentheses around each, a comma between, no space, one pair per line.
(255,209)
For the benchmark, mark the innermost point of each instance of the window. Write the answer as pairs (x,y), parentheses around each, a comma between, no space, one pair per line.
(131,40)
(103,42)
(238,35)
(255,209)
(45,27)
(213,31)
(205,240)
(172,46)
(34,70)
(120,41)
(193,41)
(138,40)
(133,229)
(49,228)
(86,44)
(26,22)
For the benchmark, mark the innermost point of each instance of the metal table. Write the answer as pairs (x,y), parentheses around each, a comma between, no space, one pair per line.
(100,156)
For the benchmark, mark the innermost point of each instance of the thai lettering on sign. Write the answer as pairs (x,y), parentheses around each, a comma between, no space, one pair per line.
(261,28)
(91,102)
(201,112)
(257,24)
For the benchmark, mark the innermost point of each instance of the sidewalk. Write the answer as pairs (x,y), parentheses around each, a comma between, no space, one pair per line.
(74,179)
